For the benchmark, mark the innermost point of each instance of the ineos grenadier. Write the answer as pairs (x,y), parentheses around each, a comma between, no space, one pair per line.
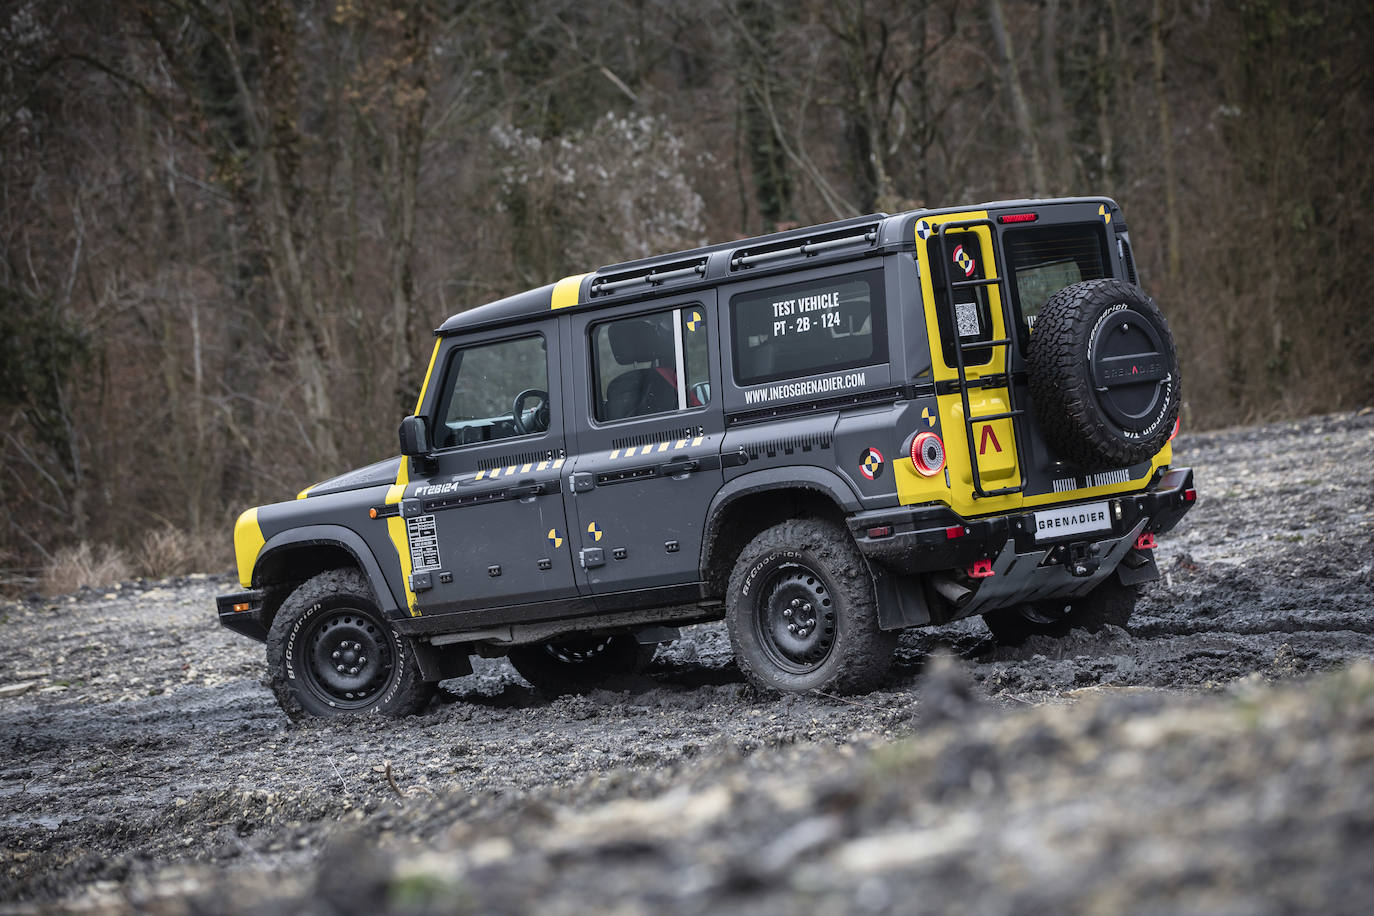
(823,436)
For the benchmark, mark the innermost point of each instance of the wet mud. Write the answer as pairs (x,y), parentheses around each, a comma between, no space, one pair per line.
(1216,756)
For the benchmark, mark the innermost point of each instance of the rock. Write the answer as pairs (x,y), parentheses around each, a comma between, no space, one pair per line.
(17,688)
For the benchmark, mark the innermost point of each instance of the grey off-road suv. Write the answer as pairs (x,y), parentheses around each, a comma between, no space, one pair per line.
(822,436)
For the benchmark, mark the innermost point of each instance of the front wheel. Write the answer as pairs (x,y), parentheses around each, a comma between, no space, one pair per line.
(330,651)
(579,663)
(1110,603)
(802,615)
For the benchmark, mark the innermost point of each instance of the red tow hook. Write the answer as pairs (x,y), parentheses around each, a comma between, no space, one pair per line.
(1146,541)
(981,569)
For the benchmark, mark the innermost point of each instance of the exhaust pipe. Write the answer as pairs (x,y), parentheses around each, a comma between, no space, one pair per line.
(950,590)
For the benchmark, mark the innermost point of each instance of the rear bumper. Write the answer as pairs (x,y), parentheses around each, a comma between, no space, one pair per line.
(919,539)
(242,613)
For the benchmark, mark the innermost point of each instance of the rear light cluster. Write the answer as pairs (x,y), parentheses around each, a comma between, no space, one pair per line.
(928,454)
(1018,218)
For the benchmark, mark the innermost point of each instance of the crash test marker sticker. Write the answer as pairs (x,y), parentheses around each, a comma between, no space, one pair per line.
(963,260)
(871,463)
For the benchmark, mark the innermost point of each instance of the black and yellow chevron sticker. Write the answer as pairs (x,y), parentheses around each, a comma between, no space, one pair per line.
(594,531)
(554,538)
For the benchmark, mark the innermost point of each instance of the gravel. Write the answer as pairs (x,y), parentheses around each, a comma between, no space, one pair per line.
(1217,757)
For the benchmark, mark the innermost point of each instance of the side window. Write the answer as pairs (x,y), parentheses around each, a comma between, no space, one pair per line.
(494,391)
(650,364)
(809,328)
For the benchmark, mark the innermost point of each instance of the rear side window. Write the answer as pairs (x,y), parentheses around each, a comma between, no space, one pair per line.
(809,328)
(1044,260)
(650,364)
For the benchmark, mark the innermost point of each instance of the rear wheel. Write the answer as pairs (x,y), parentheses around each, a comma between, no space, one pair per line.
(1110,603)
(331,651)
(579,663)
(801,612)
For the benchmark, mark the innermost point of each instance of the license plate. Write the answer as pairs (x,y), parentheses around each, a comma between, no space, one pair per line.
(1058,523)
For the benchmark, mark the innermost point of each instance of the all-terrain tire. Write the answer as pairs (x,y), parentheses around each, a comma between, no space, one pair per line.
(1111,603)
(332,621)
(580,663)
(809,575)
(1103,375)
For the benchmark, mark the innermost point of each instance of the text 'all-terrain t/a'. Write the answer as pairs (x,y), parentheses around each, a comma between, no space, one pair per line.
(822,436)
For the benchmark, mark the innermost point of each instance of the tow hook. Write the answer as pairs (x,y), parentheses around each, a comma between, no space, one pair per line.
(1082,560)
(981,569)
(1146,541)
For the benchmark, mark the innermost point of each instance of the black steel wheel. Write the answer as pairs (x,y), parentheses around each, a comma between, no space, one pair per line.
(1110,603)
(330,651)
(801,612)
(577,663)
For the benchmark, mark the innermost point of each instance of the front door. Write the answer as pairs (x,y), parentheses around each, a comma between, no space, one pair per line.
(487,526)
(649,429)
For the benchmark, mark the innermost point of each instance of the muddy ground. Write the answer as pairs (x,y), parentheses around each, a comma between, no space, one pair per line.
(1218,757)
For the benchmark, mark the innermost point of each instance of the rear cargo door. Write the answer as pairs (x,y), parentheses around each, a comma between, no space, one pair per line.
(972,355)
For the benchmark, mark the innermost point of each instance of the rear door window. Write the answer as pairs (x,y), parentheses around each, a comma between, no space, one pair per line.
(1045,259)
(808,328)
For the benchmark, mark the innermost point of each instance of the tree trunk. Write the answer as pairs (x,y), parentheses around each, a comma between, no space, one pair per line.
(1011,79)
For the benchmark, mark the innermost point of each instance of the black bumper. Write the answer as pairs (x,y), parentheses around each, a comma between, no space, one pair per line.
(243,613)
(918,539)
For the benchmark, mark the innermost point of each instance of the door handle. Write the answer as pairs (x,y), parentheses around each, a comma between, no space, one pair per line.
(679,466)
(520,492)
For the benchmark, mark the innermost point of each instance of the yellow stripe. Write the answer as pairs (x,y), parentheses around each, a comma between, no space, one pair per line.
(566,291)
(480,475)
(306,492)
(543,465)
(396,530)
(615,453)
(526,469)
(248,541)
(558,463)
(428,372)
(510,470)
(679,444)
(663,446)
(696,441)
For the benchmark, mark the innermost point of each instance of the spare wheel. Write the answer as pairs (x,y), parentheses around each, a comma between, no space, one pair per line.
(1104,377)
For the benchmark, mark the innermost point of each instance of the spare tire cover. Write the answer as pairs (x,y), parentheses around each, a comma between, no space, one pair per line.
(1103,375)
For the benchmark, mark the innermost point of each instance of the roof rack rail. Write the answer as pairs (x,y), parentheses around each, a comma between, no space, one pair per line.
(656,275)
(810,247)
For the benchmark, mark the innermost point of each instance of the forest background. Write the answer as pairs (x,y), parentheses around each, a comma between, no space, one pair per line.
(227,227)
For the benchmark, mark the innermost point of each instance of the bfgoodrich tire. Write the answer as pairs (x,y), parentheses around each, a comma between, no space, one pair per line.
(331,651)
(1111,603)
(1103,375)
(801,612)
(580,663)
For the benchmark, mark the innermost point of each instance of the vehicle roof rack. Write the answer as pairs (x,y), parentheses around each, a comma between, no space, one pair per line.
(656,275)
(806,247)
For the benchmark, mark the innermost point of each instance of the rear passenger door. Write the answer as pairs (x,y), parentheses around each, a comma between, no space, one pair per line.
(647,455)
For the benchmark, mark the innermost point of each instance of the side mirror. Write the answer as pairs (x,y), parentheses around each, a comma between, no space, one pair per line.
(414,437)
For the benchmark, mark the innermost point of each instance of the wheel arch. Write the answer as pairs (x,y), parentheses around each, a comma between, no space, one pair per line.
(297,554)
(754,502)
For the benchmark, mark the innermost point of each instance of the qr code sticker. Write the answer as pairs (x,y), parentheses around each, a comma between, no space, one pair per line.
(967,315)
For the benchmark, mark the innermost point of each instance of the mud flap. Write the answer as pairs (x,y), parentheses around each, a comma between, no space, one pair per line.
(1136,567)
(901,599)
(440,663)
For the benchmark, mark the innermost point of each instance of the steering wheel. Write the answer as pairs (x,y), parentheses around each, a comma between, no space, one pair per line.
(540,411)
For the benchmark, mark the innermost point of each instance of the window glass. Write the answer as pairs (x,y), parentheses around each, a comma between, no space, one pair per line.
(485,387)
(636,363)
(963,255)
(1044,260)
(809,328)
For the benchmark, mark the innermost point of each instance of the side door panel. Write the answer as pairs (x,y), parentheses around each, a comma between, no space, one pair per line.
(487,527)
(640,485)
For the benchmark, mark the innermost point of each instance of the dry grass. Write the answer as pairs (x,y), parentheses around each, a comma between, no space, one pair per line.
(167,552)
(84,565)
(159,554)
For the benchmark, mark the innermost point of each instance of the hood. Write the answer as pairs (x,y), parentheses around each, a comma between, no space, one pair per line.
(376,474)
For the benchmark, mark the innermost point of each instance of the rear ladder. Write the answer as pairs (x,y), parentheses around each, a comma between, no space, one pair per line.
(960,348)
